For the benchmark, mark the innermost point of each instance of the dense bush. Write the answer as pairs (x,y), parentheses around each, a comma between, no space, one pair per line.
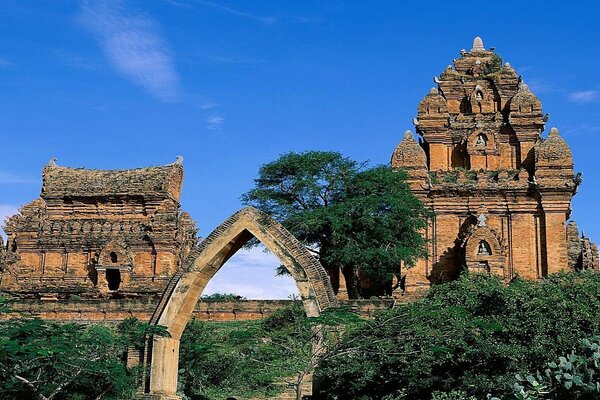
(473,336)
(573,376)
(244,358)
(222,297)
(45,360)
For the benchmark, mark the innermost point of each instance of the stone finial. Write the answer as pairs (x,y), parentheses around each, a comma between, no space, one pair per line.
(525,102)
(52,162)
(554,151)
(478,44)
(179,160)
(409,154)
(554,132)
(433,91)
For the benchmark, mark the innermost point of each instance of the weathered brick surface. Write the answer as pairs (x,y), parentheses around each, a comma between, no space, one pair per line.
(112,311)
(92,232)
(490,177)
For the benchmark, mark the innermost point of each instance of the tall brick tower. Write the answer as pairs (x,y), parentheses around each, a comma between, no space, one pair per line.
(501,193)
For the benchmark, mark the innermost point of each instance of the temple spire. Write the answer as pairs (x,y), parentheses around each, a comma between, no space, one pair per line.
(478,44)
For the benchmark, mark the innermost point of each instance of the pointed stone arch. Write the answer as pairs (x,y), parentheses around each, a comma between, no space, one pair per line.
(179,300)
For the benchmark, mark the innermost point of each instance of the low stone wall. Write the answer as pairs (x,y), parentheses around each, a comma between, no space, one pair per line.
(114,310)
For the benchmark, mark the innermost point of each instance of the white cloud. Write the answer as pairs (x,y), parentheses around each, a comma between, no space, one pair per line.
(251,273)
(215,122)
(4,62)
(133,46)
(584,96)
(538,86)
(233,11)
(582,128)
(209,105)
(7,178)
(6,210)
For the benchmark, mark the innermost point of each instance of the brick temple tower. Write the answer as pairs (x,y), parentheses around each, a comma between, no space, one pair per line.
(98,234)
(501,193)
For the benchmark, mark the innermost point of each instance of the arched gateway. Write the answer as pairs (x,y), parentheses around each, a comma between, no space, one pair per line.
(180,298)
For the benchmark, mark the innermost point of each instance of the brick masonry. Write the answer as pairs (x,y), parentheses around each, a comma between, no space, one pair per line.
(501,194)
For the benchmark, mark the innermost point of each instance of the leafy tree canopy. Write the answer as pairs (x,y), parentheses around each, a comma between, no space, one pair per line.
(353,217)
(45,360)
(470,338)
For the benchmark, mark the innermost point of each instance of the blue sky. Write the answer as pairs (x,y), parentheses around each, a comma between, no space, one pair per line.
(231,85)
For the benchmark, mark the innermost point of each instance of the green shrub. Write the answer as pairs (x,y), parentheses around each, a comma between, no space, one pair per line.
(243,358)
(471,335)
(572,376)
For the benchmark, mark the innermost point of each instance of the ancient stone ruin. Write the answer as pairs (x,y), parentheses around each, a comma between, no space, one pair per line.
(98,234)
(113,241)
(501,193)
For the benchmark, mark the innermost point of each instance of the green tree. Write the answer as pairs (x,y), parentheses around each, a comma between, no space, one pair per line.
(257,359)
(354,218)
(471,336)
(45,360)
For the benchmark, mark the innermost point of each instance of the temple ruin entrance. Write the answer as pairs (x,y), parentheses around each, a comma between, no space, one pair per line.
(113,278)
(181,295)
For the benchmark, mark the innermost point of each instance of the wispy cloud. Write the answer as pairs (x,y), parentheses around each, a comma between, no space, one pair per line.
(7,178)
(4,62)
(75,60)
(215,122)
(209,105)
(582,128)
(584,96)
(233,11)
(133,46)
(538,86)
(251,273)
(232,59)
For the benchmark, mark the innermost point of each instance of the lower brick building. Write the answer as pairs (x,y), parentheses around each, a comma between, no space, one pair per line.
(98,234)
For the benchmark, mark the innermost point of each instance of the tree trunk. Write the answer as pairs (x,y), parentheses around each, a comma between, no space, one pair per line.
(352,282)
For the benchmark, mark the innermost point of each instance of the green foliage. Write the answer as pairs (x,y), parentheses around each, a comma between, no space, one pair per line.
(451,177)
(575,375)
(221,297)
(5,304)
(453,395)
(135,333)
(243,358)
(46,360)
(353,217)
(471,335)
(492,66)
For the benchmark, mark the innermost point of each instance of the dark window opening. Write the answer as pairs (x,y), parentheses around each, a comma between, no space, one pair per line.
(113,257)
(113,278)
